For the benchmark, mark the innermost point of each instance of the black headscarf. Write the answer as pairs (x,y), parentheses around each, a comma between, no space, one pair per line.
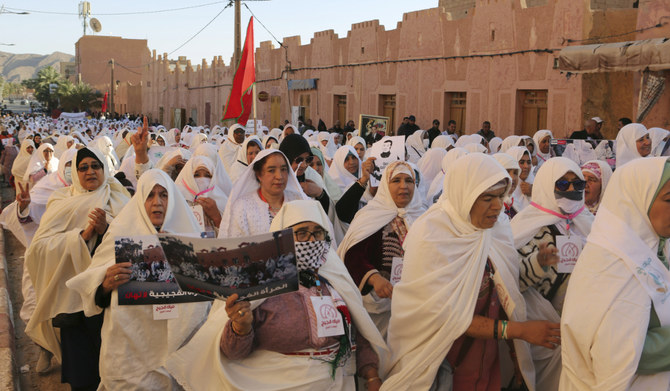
(84,153)
(293,146)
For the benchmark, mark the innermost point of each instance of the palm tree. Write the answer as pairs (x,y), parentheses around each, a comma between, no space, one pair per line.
(78,97)
(42,83)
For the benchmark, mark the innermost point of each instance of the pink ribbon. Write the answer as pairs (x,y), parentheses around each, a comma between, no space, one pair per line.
(196,195)
(62,181)
(568,218)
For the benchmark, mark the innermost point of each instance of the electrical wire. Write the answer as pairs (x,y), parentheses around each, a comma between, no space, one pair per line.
(658,25)
(204,27)
(259,21)
(117,13)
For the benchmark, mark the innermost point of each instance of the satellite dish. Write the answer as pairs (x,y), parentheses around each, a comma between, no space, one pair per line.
(95,25)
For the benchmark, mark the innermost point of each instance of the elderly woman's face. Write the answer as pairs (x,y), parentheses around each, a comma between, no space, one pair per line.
(486,209)
(401,187)
(274,175)
(643,145)
(659,212)
(545,143)
(90,173)
(156,205)
(592,189)
(351,164)
(308,231)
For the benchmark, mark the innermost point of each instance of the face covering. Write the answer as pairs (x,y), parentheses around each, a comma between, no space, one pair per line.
(426,143)
(203,183)
(569,201)
(311,255)
(68,175)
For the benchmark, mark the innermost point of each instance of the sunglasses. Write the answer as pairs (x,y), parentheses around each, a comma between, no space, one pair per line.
(301,159)
(85,167)
(564,185)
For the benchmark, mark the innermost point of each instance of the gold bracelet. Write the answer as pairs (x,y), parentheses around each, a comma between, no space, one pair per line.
(370,380)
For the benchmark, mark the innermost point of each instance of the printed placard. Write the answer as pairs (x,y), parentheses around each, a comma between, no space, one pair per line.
(165,311)
(328,319)
(199,214)
(503,295)
(396,270)
(569,248)
(385,152)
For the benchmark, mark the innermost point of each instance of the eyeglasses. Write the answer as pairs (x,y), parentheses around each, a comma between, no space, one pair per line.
(239,131)
(303,236)
(85,167)
(307,160)
(564,185)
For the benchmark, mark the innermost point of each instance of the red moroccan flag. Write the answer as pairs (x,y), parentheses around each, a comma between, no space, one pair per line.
(104,102)
(240,100)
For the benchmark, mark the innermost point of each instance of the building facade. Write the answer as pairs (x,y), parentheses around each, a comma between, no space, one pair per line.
(93,62)
(469,61)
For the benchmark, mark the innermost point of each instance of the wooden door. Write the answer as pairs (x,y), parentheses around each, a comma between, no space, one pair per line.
(534,111)
(275,111)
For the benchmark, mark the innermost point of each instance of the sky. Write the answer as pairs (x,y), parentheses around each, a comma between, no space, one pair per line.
(45,32)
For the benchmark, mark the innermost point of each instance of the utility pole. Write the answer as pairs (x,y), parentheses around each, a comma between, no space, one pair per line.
(111,88)
(238,34)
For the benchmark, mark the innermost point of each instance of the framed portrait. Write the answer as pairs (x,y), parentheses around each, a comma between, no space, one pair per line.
(366,122)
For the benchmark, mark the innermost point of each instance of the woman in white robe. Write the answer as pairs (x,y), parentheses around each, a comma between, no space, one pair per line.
(134,345)
(659,137)
(616,319)
(327,145)
(42,163)
(597,174)
(196,183)
(201,365)
(435,190)
(359,145)
(632,142)
(104,145)
(430,166)
(20,164)
(220,178)
(76,217)
(258,195)
(245,155)
(544,152)
(64,143)
(374,239)
(450,253)
(523,193)
(415,146)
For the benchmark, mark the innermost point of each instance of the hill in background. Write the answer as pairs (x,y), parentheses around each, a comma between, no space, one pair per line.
(19,67)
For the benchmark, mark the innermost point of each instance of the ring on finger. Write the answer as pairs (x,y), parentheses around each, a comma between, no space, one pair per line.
(240,312)
(116,277)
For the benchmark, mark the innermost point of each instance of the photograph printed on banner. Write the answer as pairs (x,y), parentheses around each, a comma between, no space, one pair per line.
(151,280)
(254,267)
(386,151)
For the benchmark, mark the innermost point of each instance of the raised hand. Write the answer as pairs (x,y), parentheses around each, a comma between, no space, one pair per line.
(23,196)
(140,141)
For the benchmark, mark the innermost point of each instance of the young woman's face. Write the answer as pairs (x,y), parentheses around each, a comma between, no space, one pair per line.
(351,164)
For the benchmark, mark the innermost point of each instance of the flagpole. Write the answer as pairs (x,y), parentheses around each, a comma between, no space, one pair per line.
(254,105)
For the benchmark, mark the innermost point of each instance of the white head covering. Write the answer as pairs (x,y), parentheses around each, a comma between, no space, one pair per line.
(442,141)
(605,173)
(228,150)
(355,140)
(61,145)
(510,142)
(220,177)
(527,140)
(197,139)
(330,148)
(414,146)
(340,175)
(189,187)
(201,366)
(528,221)
(475,147)
(463,141)
(247,184)
(20,164)
(41,192)
(104,145)
(494,145)
(626,147)
(619,272)
(445,257)
(438,182)
(240,163)
(381,210)
(657,136)
(430,165)
(537,138)
(37,162)
(521,200)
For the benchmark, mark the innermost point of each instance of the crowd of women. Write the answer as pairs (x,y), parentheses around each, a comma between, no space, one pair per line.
(454,273)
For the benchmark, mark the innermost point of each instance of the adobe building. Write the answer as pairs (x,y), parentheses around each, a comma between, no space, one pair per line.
(466,60)
(93,55)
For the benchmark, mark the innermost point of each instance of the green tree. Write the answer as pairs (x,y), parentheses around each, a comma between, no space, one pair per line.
(78,97)
(42,83)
